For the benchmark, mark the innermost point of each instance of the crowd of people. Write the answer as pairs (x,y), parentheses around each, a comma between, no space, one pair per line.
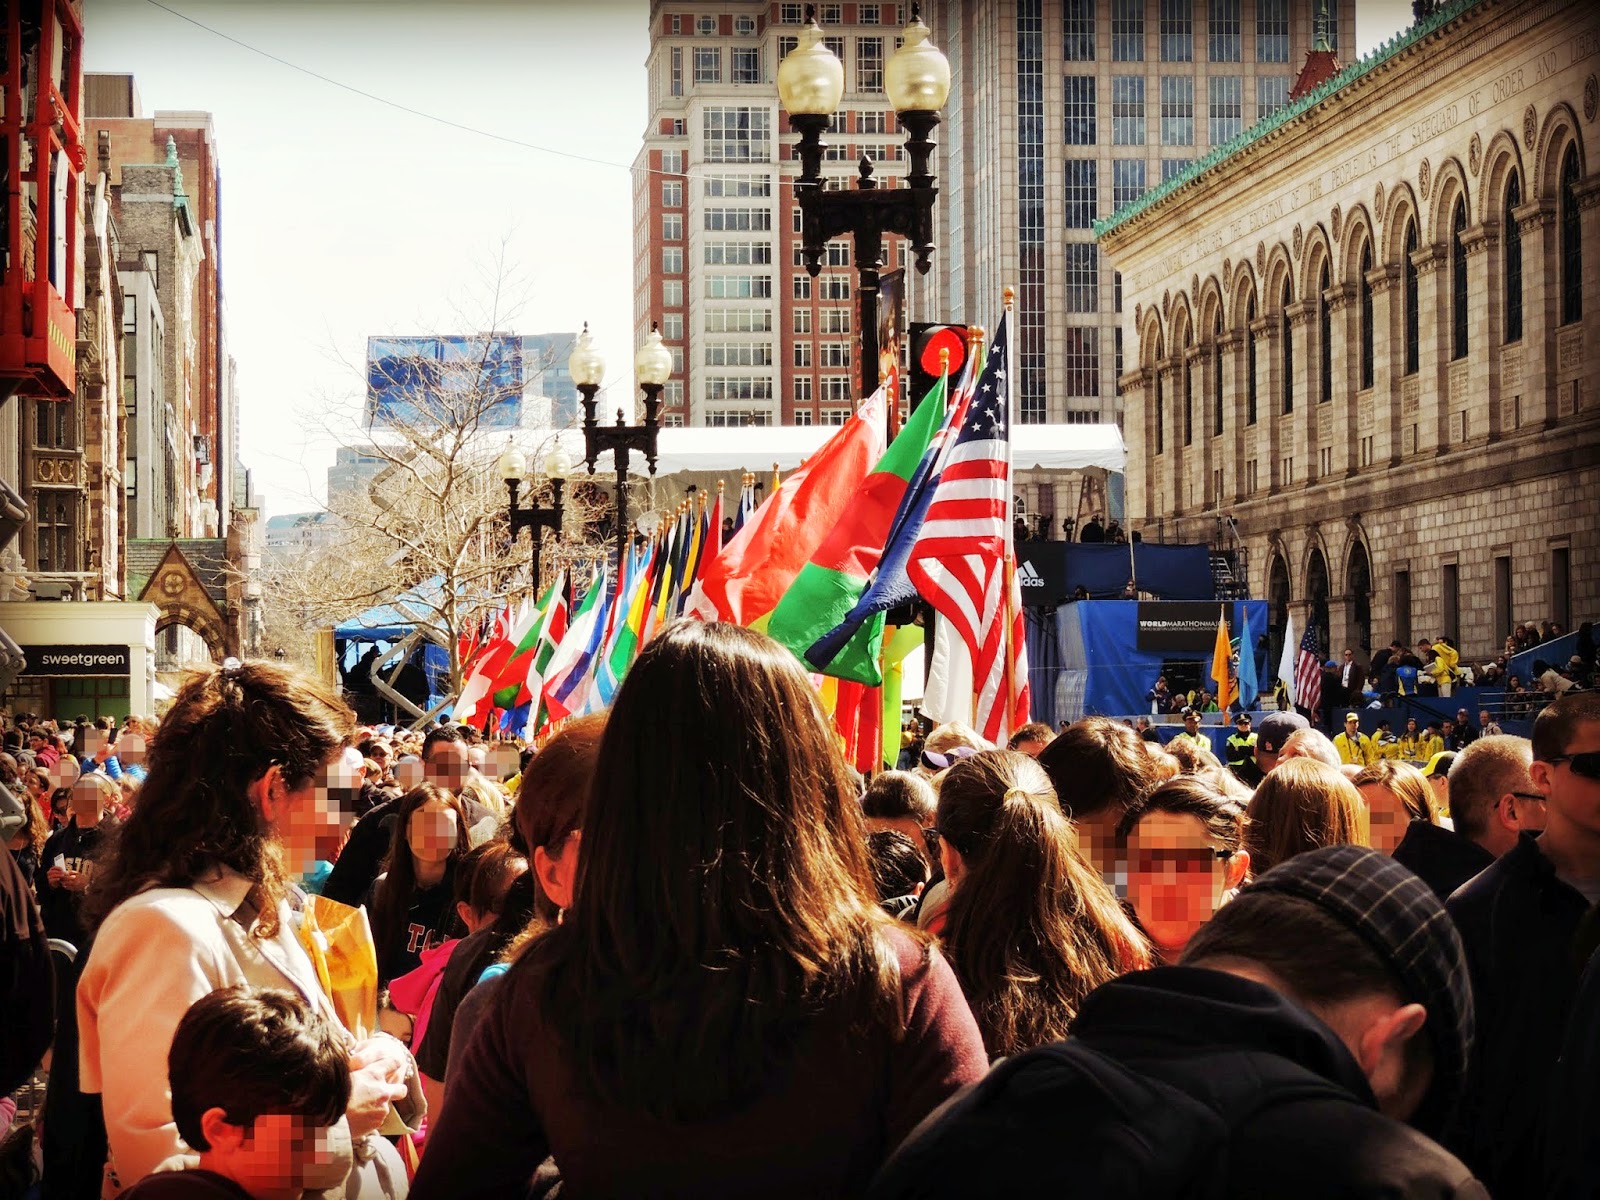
(681,948)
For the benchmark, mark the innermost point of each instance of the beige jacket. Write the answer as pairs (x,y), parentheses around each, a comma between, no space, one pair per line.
(155,955)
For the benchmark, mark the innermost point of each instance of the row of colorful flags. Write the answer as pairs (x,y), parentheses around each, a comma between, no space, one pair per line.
(864,527)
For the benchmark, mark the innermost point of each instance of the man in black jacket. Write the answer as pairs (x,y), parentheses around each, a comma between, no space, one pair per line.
(1313,1016)
(1518,920)
(67,860)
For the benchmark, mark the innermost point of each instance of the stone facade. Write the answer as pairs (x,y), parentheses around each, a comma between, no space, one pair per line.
(1333,350)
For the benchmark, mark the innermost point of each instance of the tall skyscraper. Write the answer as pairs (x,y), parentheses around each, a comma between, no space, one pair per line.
(1062,111)
(755,339)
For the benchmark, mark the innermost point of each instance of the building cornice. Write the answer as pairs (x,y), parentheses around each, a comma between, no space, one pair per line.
(1384,56)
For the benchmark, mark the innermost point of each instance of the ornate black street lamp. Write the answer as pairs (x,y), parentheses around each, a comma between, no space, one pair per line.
(810,86)
(652,365)
(513,466)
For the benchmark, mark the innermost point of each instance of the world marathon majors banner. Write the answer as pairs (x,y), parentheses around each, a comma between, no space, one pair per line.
(77,660)
(1178,627)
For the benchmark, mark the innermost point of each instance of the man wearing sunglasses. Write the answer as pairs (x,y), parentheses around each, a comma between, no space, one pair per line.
(1517,920)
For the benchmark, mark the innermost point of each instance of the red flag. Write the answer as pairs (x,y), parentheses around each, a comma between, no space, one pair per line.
(744,582)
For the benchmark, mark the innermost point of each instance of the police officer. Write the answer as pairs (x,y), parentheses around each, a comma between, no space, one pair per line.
(1241,749)
(1191,729)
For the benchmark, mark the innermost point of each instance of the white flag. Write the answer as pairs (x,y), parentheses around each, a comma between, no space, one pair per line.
(1286,662)
(948,694)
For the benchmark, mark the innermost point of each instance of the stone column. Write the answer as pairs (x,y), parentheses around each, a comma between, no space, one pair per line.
(1268,363)
(1227,451)
(1336,418)
(1136,390)
(1196,428)
(1579,358)
(1475,379)
(1165,452)
(1433,346)
(1297,430)
(1541,309)
(1388,363)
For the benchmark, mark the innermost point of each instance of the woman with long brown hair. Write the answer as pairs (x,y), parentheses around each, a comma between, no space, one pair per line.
(1302,805)
(549,810)
(196,894)
(411,901)
(1032,927)
(724,1008)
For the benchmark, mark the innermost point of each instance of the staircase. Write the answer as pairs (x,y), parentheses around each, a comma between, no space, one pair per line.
(1226,576)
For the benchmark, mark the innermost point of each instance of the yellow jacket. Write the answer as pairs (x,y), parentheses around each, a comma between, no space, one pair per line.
(1357,750)
(1443,666)
(1410,747)
(1427,747)
(1387,748)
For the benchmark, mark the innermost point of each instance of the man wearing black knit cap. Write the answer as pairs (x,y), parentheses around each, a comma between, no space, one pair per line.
(1312,1018)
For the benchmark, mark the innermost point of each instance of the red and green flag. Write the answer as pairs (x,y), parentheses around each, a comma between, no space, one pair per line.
(828,587)
(744,583)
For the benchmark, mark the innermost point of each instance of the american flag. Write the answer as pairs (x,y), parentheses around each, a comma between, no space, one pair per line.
(1308,671)
(962,561)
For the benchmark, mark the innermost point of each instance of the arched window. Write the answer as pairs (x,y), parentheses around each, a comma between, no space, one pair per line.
(1413,355)
(1511,238)
(1325,336)
(1216,374)
(1250,359)
(1288,348)
(1458,281)
(1571,241)
(1365,288)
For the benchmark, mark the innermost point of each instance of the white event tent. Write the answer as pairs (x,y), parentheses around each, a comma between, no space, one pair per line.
(759,448)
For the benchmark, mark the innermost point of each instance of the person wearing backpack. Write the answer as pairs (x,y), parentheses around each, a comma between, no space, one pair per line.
(1314,1037)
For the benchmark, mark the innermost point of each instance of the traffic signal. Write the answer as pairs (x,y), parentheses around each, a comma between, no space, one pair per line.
(927,342)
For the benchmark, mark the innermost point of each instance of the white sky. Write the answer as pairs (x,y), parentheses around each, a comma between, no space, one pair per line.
(344,217)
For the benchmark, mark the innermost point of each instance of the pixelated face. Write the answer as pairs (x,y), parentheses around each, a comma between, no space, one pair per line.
(1175,879)
(131,748)
(87,799)
(409,772)
(1411,724)
(283,1155)
(96,744)
(447,765)
(65,772)
(1387,817)
(433,831)
(502,761)
(309,821)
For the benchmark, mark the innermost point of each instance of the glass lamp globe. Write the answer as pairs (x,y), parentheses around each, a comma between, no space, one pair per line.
(557,465)
(811,77)
(917,76)
(653,363)
(586,366)
(512,464)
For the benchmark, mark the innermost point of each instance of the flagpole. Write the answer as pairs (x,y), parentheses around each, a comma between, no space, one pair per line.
(1008,296)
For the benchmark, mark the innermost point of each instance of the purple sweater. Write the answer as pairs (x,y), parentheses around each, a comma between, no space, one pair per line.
(847,1103)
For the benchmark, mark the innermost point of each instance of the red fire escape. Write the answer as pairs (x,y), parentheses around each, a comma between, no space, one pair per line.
(42,157)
